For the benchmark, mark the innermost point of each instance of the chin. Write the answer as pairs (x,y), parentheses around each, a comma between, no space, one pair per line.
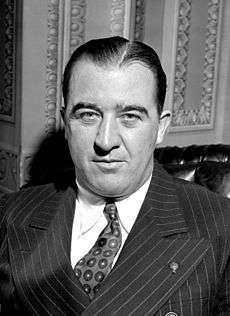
(110,191)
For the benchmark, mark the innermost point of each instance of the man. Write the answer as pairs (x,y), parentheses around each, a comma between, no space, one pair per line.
(163,246)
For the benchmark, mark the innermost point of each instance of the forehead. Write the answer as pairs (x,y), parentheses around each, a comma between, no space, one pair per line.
(133,79)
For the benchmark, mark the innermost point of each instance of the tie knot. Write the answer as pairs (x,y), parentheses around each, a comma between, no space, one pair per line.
(110,210)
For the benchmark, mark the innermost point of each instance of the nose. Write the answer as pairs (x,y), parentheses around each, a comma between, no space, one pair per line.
(108,136)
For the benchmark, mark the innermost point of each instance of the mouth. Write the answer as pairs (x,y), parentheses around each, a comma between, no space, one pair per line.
(107,160)
(108,164)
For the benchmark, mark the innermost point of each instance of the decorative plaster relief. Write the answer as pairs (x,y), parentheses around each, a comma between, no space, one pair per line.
(8,170)
(52,64)
(182,51)
(8,90)
(139,20)
(77,24)
(117,17)
(66,31)
(202,115)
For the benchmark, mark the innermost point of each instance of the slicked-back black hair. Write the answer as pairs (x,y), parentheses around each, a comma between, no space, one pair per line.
(118,51)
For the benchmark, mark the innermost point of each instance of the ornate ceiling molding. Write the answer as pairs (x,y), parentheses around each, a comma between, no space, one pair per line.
(202,115)
(66,31)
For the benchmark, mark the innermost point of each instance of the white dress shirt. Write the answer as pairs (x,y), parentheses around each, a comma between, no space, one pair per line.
(89,220)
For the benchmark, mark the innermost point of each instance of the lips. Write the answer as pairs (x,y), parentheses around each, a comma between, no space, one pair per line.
(108,165)
(107,160)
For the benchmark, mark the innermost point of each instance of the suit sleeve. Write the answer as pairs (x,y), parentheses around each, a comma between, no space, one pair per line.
(8,301)
(222,303)
(3,253)
(2,219)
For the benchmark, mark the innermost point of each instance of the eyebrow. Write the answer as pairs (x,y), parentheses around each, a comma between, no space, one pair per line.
(133,107)
(120,107)
(85,105)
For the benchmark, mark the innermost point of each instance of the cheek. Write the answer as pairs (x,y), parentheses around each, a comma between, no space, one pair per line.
(144,141)
(79,142)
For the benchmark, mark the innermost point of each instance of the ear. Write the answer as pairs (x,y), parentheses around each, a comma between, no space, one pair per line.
(164,123)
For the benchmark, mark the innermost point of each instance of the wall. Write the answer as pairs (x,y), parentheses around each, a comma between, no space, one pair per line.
(202,51)
(34,59)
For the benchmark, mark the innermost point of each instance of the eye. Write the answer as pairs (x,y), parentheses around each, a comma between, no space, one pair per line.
(86,116)
(130,119)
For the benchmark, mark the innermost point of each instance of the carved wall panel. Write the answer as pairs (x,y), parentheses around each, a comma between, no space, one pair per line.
(10,93)
(117,17)
(139,20)
(66,31)
(194,63)
(52,63)
(8,59)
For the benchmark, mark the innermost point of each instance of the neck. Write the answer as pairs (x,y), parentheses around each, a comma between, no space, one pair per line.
(88,196)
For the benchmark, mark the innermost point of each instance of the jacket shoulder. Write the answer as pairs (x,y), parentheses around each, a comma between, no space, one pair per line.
(207,211)
(24,200)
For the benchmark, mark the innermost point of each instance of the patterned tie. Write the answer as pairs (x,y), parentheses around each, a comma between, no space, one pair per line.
(93,268)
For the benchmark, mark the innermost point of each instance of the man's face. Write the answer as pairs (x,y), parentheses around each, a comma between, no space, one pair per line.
(112,126)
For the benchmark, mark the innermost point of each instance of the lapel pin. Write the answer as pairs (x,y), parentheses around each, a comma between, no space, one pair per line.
(174,266)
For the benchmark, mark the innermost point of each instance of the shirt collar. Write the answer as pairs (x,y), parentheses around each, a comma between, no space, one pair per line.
(89,208)
(128,208)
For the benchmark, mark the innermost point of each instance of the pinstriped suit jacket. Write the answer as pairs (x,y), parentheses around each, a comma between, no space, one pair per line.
(178,223)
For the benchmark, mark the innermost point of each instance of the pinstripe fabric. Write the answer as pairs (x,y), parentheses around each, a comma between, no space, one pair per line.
(178,222)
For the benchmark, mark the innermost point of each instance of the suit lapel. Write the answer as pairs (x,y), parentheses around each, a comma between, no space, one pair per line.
(39,253)
(143,276)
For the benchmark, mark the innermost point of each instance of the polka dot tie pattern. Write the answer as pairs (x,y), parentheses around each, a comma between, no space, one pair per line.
(93,268)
